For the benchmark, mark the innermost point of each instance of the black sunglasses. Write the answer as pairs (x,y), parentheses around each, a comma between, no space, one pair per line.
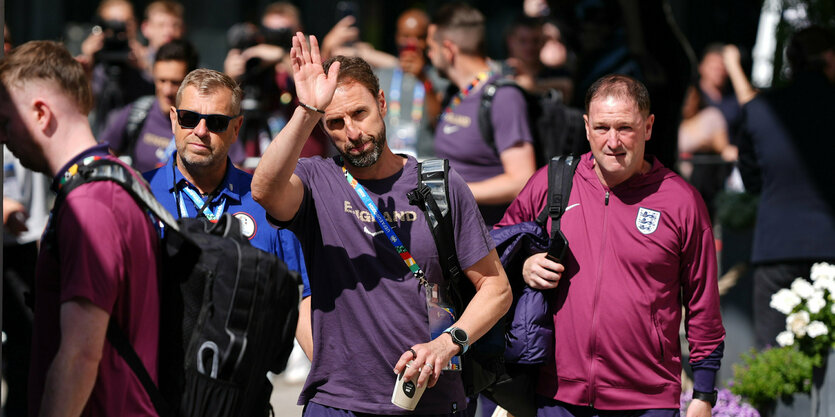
(215,122)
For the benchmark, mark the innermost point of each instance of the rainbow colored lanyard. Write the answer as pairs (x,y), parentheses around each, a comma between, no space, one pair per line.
(481,77)
(74,169)
(392,237)
(418,96)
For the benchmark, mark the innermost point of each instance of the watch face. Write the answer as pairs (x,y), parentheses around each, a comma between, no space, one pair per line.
(459,335)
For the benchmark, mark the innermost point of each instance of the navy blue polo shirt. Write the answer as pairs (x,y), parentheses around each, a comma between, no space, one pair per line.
(234,197)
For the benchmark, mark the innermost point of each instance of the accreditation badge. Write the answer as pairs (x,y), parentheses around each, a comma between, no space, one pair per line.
(441,317)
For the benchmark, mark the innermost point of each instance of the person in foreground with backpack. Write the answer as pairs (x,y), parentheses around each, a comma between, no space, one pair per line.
(98,258)
(369,308)
(640,246)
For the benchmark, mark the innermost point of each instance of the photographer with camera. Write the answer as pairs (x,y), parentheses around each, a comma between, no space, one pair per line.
(113,57)
(258,60)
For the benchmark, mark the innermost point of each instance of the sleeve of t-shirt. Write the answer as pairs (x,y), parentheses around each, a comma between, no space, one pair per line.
(291,253)
(114,133)
(530,201)
(472,240)
(510,119)
(89,241)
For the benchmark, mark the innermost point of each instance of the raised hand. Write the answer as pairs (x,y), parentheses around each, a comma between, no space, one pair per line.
(313,87)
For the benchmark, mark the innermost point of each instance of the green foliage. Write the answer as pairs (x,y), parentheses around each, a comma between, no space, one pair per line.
(772,373)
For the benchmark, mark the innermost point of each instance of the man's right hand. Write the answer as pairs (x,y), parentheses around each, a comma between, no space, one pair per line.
(541,273)
(313,87)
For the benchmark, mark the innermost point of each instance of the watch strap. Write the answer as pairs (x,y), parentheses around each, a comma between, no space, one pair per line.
(709,397)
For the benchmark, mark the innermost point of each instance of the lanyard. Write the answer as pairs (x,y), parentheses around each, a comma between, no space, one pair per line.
(392,237)
(461,95)
(418,96)
(201,205)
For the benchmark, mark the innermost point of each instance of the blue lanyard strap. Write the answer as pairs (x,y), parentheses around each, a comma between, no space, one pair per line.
(384,224)
(201,204)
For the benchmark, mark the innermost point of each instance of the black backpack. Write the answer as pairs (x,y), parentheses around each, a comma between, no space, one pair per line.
(228,311)
(556,128)
(483,362)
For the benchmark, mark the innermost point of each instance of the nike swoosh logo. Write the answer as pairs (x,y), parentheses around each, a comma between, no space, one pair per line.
(365,229)
(450,129)
(572,206)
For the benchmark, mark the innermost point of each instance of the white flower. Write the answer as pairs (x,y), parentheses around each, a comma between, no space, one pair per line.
(797,323)
(816,328)
(825,283)
(785,338)
(816,303)
(802,288)
(784,301)
(822,270)
(832,309)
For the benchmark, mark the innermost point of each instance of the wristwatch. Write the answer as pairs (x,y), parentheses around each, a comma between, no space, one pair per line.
(709,397)
(460,338)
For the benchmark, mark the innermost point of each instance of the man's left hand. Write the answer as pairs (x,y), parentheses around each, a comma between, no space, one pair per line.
(699,408)
(428,359)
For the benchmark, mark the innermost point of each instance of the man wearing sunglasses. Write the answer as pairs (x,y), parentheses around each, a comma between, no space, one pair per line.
(200,180)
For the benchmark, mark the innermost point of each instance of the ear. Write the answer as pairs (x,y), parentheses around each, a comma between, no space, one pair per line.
(588,128)
(650,121)
(381,103)
(43,116)
(172,114)
(449,49)
(144,29)
(236,125)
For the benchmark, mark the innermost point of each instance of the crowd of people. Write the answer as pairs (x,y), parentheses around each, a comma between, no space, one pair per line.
(314,146)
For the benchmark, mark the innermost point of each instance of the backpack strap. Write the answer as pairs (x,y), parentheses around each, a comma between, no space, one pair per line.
(136,119)
(110,169)
(432,197)
(119,340)
(485,108)
(560,176)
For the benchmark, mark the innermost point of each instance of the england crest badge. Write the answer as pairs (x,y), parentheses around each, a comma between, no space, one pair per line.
(647,220)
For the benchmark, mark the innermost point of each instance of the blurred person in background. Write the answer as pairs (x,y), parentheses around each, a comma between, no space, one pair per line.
(163,23)
(525,40)
(116,59)
(409,87)
(141,131)
(785,153)
(496,174)
(259,61)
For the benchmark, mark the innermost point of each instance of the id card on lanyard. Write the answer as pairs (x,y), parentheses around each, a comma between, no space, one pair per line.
(438,305)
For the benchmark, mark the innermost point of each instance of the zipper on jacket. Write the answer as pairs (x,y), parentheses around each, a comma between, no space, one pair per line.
(597,285)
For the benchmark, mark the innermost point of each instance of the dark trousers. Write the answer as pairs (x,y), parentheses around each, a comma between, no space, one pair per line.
(547,407)
(18,279)
(768,279)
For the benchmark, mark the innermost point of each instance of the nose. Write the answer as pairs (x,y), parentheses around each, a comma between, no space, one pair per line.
(201,130)
(352,131)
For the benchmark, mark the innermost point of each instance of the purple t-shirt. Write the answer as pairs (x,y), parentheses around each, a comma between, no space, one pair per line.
(458,138)
(152,140)
(367,306)
(106,250)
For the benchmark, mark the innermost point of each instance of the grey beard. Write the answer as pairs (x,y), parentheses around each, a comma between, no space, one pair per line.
(367,159)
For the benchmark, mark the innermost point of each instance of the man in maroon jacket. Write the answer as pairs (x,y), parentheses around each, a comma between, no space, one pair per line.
(641,246)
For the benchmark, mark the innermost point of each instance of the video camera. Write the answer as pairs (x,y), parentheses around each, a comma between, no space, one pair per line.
(245,35)
(116,49)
